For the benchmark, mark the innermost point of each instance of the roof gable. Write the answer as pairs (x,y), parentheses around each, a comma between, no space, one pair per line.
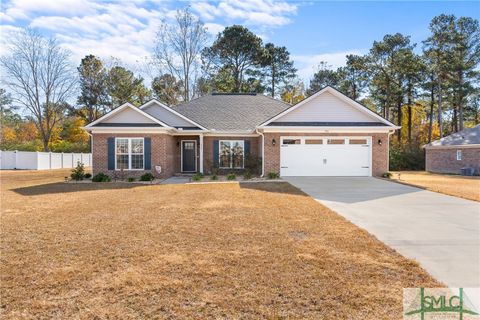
(466,137)
(167,115)
(128,115)
(328,106)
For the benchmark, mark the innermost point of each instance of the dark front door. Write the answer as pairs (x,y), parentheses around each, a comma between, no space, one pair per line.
(189,156)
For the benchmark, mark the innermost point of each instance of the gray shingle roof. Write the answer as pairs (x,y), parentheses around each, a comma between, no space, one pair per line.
(231,112)
(464,137)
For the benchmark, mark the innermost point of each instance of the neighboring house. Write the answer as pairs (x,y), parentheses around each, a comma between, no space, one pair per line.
(454,152)
(327,134)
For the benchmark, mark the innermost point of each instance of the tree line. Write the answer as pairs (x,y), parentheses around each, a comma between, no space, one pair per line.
(431,89)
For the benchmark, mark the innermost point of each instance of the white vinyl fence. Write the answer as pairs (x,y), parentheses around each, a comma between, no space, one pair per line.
(42,160)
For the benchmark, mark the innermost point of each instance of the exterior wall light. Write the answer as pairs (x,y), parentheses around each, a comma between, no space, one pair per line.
(379,142)
(273,142)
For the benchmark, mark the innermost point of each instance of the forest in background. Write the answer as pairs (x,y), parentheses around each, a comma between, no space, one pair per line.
(430,88)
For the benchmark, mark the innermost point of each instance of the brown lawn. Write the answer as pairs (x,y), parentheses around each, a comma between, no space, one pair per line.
(110,251)
(458,186)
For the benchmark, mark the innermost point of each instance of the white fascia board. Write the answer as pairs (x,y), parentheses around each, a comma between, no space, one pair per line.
(164,106)
(123,106)
(146,104)
(231,134)
(461,146)
(188,132)
(326,129)
(337,94)
(128,130)
(107,115)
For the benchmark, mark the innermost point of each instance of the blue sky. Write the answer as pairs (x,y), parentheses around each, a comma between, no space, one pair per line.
(311,30)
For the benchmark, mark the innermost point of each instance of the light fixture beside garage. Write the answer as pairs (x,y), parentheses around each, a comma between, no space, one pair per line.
(379,142)
(274,142)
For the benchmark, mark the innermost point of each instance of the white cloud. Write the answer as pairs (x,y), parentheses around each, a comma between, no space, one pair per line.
(24,9)
(124,31)
(307,65)
(127,30)
(7,32)
(253,12)
(214,28)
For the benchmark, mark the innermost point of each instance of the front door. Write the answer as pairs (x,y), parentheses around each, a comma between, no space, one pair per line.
(189,156)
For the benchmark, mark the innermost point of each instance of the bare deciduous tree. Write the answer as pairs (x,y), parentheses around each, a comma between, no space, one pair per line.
(178,47)
(40,77)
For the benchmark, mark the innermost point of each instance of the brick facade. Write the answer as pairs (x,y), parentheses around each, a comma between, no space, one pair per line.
(255,145)
(162,154)
(444,160)
(166,152)
(379,152)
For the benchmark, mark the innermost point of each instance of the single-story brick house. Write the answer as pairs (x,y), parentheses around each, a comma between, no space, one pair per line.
(326,134)
(454,152)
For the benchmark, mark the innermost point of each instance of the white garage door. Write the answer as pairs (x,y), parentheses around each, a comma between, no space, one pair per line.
(325,156)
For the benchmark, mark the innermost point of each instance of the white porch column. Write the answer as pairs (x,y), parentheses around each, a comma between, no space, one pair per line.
(201,152)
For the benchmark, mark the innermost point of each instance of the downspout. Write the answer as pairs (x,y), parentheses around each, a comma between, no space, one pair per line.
(390,132)
(263,151)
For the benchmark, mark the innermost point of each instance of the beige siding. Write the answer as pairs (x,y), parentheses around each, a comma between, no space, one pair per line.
(128,115)
(326,108)
(166,116)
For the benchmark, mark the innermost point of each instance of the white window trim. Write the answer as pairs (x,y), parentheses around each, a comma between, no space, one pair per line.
(459,155)
(325,140)
(130,153)
(242,142)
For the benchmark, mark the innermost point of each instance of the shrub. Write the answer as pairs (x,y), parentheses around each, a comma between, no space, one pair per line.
(88,175)
(78,173)
(215,170)
(214,177)
(253,163)
(231,176)
(387,175)
(131,179)
(197,177)
(247,175)
(101,177)
(406,157)
(147,177)
(273,175)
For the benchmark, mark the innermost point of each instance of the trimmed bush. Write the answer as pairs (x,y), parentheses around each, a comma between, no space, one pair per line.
(131,179)
(231,176)
(214,177)
(101,177)
(197,177)
(147,177)
(387,175)
(273,175)
(78,173)
(247,175)
(88,175)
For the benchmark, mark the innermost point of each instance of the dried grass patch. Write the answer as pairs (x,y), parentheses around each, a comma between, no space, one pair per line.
(458,186)
(248,251)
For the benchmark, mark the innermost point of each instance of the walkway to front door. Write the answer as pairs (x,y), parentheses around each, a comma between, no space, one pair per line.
(189,156)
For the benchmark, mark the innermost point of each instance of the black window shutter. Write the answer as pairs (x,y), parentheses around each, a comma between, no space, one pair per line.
(246,144)
(215,153)
(111,153)
(148,153)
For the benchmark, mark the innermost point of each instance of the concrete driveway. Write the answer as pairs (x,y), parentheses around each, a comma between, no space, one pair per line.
(441,232)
